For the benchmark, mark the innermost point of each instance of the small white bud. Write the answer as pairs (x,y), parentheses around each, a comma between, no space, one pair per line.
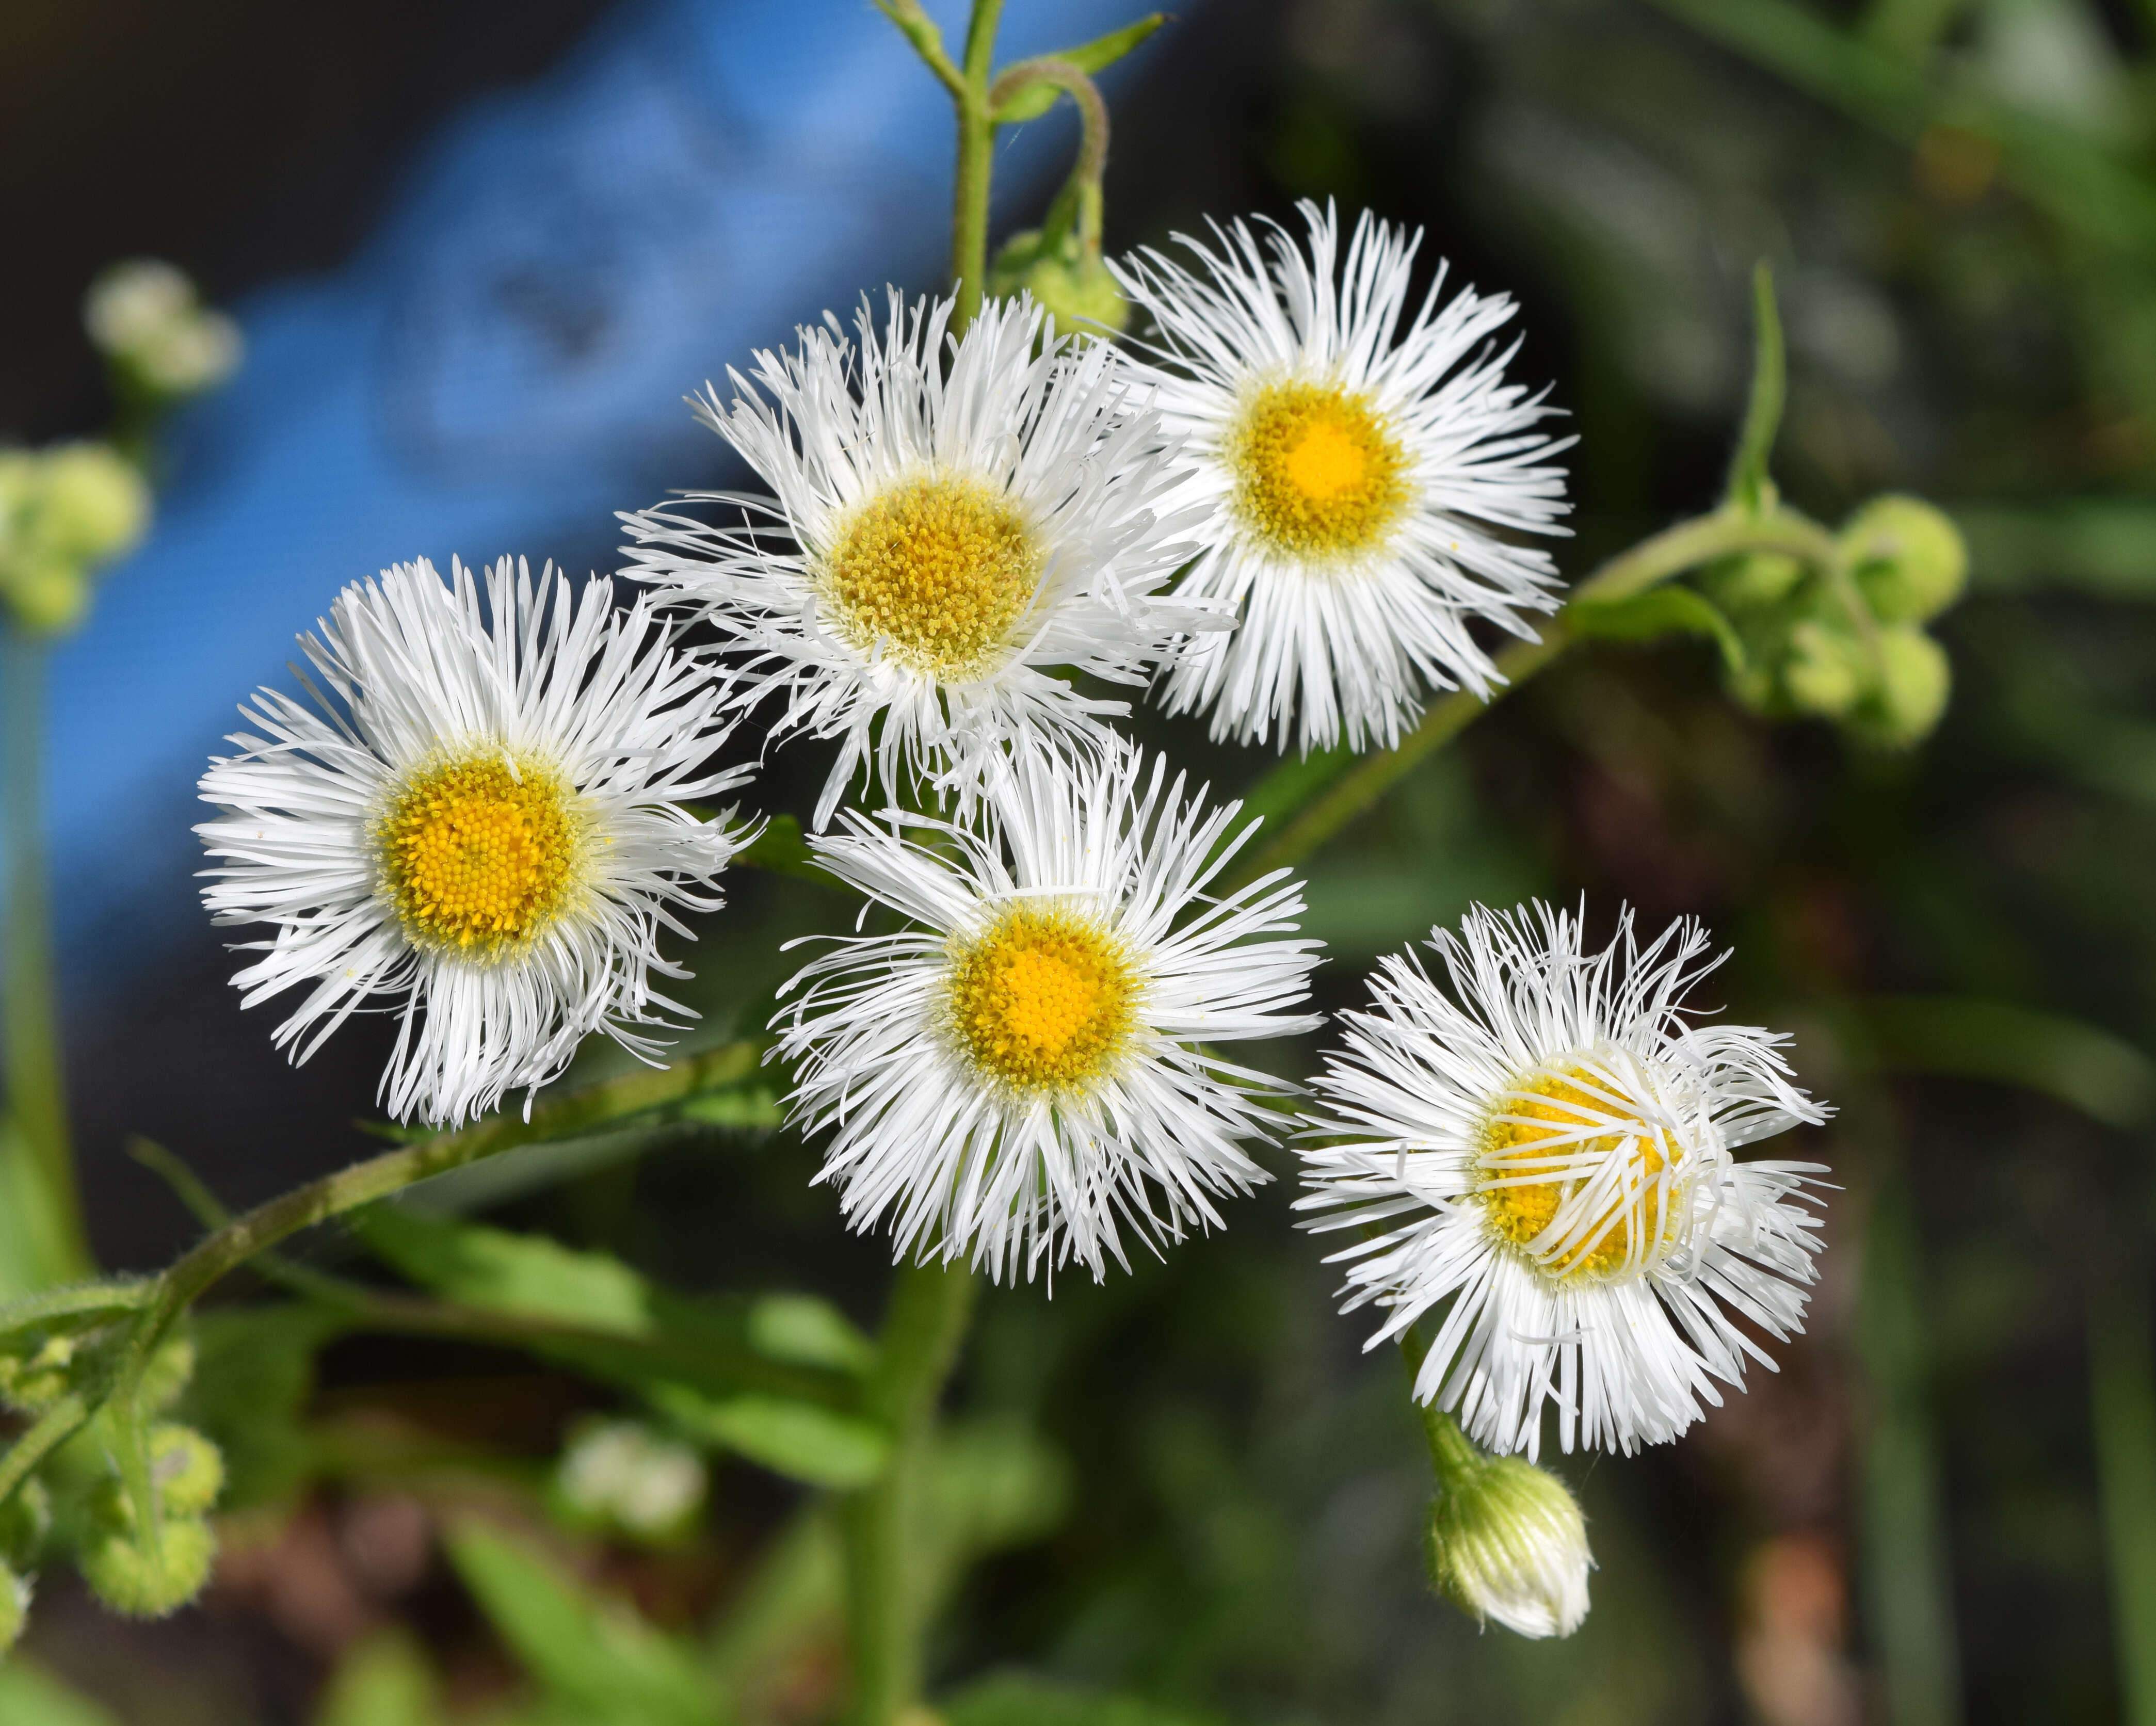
(622,1472)
(1508,1542)
(146,315)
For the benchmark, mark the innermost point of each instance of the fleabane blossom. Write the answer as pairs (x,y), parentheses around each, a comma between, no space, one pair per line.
(478,824)
(1031,1065)
(1365,476)
(1536,1163)
(956,520)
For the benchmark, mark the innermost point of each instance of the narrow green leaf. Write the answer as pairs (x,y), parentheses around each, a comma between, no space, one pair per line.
(382,1680)
(2104,1076)
(1750,486)
(1669,610)
(1029,101)
(595,1653)
(799,1440)
(809,1332)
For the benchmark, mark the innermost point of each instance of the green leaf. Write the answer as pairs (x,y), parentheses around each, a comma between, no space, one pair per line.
(817,1446)
(1667,610)
(1750,486)
(511,1273)
(1029,101)
(991,1486)
(30,1697)
(809,1332)
(596,1654)
(2083,1066)
(781,849)
(1019,1699)
(254,1370)
(382,1680)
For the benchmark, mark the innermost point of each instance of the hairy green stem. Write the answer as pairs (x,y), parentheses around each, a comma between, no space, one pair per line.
(886,1581)
(1325,793)
(976,138)
(1080,198)
(37,1096)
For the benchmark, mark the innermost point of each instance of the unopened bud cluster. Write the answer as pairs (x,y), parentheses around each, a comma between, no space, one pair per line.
(1071,287)
(1849,644)
(64,512)
(622,1476)
(160,339)
(127,1497)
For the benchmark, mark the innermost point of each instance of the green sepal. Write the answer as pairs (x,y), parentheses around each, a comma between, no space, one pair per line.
(1668,610)
(1029,101)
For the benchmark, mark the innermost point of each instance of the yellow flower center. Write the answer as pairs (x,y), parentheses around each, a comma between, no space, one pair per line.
(1539,1152)
(1318,476)
(1043,1001)
(480,853)
(934,571)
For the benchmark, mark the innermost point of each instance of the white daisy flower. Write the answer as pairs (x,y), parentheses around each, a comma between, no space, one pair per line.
(482,823)
(1544,1153)
(1360,480)
(1030,1066)
(954,520)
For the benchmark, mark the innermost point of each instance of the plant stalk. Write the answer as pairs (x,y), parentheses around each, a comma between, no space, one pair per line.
(2122,1404)
(1324,794)
(36,1095)
(977,137)
(886,1572)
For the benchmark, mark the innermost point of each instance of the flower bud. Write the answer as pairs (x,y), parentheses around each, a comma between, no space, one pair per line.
(1507,1541)
(33,1371)
(1915,678)
(1826,672)
(25,1522)
(1078,293)
(48,595)
(167,1375)
(94,506)
(145,316)
(1907,558)
(621,1472)
(187,1470)
(1752,579)
(154,1578)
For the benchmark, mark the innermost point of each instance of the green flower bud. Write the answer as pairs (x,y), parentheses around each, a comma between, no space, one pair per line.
(1079,294)
(187,1469)
(14,1607)
(1915,679)
(49,595)
(33,1371)
(94,505)
(1751,579)
(140,1583)
(1827,672)
(1507,1541)
(1907,558)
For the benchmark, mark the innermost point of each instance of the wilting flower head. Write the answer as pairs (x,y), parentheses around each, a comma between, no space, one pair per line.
(479,820)
(955,520)
(1362,479)
(1544,1152)
(1031,1067)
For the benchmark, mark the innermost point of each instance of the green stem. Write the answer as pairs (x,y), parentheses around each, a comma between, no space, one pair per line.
(886,1611)
(1326,793)
(37,1096)
(2122,1402)
(1081,198)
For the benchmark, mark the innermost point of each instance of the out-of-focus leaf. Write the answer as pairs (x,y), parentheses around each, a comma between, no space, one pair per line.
(1029,101)
(809,1332)
(817,1445)
(2104,1076)
(1668,610)
(254,1370)
(787,1616)
(1018,1699)
(382,1680)
(32,1253)
(30,1696)
(781,849)
(596,1654)
(991,1486)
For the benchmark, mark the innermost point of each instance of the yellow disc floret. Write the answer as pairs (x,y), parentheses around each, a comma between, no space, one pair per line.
(934,571)
(1537,1153)
(1318,473)
(1043,1000)
(480,853)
